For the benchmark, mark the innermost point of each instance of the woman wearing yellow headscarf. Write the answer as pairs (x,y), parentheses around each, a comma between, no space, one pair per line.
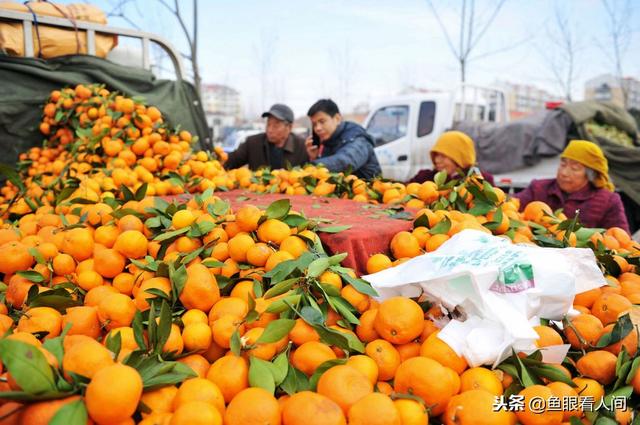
(454,153)
(582,184)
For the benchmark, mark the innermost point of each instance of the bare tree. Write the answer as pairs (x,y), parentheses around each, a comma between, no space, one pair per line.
(118,11)
(344,68)
(561,58)
(619,33)
(191,34)
(264,54)
(472,30)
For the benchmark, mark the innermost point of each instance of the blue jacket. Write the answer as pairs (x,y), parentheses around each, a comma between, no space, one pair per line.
(350,146)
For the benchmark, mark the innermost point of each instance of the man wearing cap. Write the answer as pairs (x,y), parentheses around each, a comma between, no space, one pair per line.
(275,148)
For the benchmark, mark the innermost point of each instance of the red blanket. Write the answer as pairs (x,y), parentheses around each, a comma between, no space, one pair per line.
(371,225)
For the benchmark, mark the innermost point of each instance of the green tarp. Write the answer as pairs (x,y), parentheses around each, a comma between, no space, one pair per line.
(624,162)
(25,84)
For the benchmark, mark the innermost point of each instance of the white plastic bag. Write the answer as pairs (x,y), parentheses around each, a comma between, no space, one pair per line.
(501,289)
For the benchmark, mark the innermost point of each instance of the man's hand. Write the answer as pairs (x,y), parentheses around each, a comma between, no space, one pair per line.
(312,150)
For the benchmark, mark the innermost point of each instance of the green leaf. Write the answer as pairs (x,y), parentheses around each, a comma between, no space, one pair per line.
(124,212)
(278,209)
(27,366)
(329,289)
(138,331)
(325,366)
(212,264)
(55,346)
(159,373)
(280,288)
(337,259)
(12,176)
(584,233)
(252,316)
(508,368)
(295,220)
(622,372)
(573,420)
(318,266)
(81,201)
(620,330)
(311,315)
(126,193)
(440,178)
(74,413)
(442,227)
(257,288)
(153,222)
(625,392)
(64,194)
(345,341)
(24,397)
(524,376)
(280,367)
(170,235)
(114,344)
(481,208)
(31,276)
(206,227)
(276,330)
(358,284)
(295,381)
(609,264)
(260,375)
(605,420)
(157,294)
(552,373)
(422,221)
(635,366)
(192,255)
(178,278)
(164,326)
(58,299)
(141,192)
(333,229)
(219,208)
(487,189)
(345,309)
(235,345)
(36,254)
(283,304)
(282,271)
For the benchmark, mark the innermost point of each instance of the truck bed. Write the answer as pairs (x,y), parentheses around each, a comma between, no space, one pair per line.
(520,178)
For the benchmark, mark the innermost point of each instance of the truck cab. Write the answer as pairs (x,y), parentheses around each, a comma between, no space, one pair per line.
(407,126)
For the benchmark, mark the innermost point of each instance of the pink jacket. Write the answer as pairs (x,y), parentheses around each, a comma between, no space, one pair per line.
(598,207)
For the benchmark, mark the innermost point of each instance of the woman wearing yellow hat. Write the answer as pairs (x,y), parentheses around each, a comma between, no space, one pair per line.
(581,184)
(454,153)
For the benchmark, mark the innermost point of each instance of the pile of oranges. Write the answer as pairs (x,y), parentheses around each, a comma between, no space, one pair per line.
(119,307)
(473,204)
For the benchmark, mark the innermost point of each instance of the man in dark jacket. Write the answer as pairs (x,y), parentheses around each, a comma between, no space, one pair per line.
(340,145)
(276,148)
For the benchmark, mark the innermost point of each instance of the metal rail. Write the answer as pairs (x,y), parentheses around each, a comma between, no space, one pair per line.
(27,20)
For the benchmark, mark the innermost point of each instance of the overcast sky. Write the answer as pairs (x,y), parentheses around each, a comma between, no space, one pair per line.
(296,51)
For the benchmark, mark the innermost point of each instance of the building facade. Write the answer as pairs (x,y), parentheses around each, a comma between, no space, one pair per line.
(524,99)
(608,88)
(218,99)
(222,108)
